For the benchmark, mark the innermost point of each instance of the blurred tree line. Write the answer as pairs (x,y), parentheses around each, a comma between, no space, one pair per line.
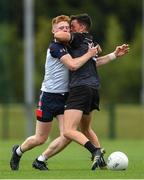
(114,23)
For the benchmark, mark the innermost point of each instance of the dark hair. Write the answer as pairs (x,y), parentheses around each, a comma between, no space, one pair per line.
(82,19)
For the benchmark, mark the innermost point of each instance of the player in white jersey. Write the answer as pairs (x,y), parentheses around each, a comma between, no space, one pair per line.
(54,92)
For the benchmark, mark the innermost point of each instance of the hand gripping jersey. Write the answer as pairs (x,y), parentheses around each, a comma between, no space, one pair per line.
(56,76)
(87,74)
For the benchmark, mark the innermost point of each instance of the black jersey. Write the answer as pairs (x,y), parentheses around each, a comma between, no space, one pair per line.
(87,74)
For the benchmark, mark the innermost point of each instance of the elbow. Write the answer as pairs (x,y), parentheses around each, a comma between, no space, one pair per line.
(73,67)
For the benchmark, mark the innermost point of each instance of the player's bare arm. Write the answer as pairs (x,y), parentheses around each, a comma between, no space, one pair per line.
(119,51)
(75,63)
(62,36)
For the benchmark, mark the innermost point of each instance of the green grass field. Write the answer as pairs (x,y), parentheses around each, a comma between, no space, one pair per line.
(74,162)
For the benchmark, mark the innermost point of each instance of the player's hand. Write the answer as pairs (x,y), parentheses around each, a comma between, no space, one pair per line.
(93,50)
(121,50)
(99,48)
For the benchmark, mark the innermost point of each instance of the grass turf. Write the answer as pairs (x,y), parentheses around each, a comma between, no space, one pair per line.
(74,162)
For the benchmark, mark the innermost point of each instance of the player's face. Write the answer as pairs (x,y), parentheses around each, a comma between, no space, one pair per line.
(61,26)
(76,26)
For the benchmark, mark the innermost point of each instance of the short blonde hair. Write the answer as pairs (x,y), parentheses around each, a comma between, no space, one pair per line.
(60,18)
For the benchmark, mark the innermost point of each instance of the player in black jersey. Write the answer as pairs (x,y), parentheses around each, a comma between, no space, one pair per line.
(83,93)
(84,86)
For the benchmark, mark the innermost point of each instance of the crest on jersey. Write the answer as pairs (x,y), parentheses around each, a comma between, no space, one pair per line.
(62,50)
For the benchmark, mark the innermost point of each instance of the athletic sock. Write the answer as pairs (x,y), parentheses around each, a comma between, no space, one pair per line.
(41,158)
(19,151)
(90,147)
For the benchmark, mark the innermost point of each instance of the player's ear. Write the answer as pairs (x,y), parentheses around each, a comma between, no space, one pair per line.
(83,27)
(52,30)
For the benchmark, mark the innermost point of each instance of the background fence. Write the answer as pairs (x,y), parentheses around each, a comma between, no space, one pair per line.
(113,121)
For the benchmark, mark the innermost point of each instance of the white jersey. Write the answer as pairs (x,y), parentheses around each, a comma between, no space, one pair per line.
(56,76)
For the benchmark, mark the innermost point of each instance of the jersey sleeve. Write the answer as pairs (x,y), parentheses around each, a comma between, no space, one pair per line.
(58,50)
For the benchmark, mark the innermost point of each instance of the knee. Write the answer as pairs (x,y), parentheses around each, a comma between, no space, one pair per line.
(86,132)
(66,134)
(65,139)
(40,140)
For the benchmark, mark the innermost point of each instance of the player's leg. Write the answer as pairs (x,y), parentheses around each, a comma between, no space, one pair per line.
(57,144)
(71,122)
(54,147)
(73,114)
(79,102)
(60,142)
(43,127)
(97,156)
(41,134)
(85,127)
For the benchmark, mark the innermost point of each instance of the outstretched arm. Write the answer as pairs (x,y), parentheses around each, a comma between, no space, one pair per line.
(119,51)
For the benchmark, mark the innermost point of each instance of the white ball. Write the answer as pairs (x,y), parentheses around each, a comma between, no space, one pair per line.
(117,161)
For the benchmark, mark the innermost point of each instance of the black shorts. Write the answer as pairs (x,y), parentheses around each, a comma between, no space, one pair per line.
(50,105)
(83,98)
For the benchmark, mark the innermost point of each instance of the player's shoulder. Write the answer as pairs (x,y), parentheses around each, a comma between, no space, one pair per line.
(76,34)
(80,36)
(57,49)
(55,45)
(76,38)
(87,35)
